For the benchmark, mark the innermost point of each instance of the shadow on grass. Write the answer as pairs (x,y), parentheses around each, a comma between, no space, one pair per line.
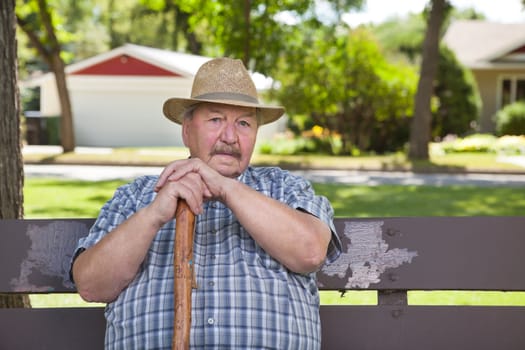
(426,166)
(52,159)
(379,165)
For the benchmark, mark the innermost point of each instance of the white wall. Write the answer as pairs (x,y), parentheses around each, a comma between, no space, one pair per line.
(49,102)
(125,111)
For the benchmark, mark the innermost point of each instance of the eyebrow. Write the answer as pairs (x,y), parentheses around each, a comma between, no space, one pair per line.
(219,111)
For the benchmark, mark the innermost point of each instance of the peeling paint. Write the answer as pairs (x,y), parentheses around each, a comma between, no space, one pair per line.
(367,255)
(39,262)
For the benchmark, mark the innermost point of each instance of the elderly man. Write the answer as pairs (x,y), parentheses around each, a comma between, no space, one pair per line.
(260,234)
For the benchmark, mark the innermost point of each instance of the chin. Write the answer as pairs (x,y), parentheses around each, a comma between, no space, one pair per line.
(228,169)
(229,173)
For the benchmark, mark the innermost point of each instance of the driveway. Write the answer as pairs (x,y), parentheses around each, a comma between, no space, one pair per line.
(371,178)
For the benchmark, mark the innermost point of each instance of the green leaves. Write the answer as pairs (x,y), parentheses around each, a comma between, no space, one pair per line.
(344,83)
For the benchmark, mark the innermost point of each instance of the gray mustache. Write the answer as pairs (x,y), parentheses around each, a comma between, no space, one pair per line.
(227,150)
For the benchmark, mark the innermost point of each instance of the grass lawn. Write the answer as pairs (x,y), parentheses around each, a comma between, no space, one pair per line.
(395,200)
(52,198)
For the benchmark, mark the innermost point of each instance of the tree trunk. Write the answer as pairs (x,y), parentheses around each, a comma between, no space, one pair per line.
(46,43)
(114,40)
(246,57)
(421,122)
(67,137)
(11,165)
(182,26)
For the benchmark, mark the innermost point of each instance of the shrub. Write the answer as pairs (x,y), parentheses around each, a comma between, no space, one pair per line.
(472,143)
(510,145)
(316,140)
(511,119)
(458,101)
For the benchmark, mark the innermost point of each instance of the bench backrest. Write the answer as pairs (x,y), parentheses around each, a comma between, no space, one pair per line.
(390,255)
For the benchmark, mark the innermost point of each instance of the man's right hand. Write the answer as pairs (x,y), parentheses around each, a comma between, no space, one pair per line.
(189,187)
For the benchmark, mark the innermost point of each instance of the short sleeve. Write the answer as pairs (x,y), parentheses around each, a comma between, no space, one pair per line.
(299,194)
(119,208)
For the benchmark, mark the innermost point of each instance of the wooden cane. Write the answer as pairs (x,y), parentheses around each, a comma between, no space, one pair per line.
(182,275)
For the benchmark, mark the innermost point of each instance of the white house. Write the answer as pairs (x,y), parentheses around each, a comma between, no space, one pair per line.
(495,53)
(117,96)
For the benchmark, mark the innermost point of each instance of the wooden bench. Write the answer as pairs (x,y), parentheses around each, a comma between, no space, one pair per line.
(389,255)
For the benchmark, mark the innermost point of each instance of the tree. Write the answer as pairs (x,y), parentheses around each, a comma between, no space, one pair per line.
(35,18)
(422,119)
(157,23)
(11,166)
(404,36)
(268,38)
(343,83)
(254,30)
(458,101)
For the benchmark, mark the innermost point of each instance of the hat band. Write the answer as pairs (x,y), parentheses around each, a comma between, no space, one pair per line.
(227,96)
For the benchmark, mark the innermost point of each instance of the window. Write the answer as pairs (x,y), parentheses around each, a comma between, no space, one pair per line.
(506,92)
(512,89)
(520,90)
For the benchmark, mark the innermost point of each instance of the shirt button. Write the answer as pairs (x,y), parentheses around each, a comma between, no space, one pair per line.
(211,321)
(211,283)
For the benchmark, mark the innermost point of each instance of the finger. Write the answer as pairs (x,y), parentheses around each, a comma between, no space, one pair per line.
(207,193)
(193,200)
(164,175)
(172,172)
(183,168)
(192,189)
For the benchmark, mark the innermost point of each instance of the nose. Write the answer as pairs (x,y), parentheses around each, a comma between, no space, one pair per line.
(229,134)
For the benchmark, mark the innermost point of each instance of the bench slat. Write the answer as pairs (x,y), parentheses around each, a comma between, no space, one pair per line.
(427,253)
(421,327)
(52,329)
(35,254)
(343,327)
(421,253)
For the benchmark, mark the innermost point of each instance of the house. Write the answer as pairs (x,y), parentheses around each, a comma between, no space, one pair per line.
(495,53)
(117,96)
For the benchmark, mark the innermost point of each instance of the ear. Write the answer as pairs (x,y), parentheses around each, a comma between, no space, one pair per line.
(185,132)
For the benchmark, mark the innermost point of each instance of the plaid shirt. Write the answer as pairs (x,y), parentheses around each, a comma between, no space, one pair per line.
(245,299)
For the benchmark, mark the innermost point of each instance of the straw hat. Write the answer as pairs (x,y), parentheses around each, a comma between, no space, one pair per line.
(226,81)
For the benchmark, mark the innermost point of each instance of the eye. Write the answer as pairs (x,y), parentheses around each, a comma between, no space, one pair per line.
(244,123)
(215,119)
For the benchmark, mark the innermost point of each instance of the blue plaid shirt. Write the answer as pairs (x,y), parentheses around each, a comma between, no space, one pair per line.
(245,299)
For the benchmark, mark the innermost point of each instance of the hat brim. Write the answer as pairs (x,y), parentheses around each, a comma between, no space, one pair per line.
(174,108)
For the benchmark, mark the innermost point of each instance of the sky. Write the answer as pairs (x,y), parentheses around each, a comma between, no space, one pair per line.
(376,11)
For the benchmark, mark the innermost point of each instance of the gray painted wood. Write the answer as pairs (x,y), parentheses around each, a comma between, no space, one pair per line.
(52,329)
(461,253)
(35,254)
(422,327)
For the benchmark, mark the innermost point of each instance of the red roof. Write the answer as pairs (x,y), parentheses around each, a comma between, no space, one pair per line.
(124,65)
(520,49)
